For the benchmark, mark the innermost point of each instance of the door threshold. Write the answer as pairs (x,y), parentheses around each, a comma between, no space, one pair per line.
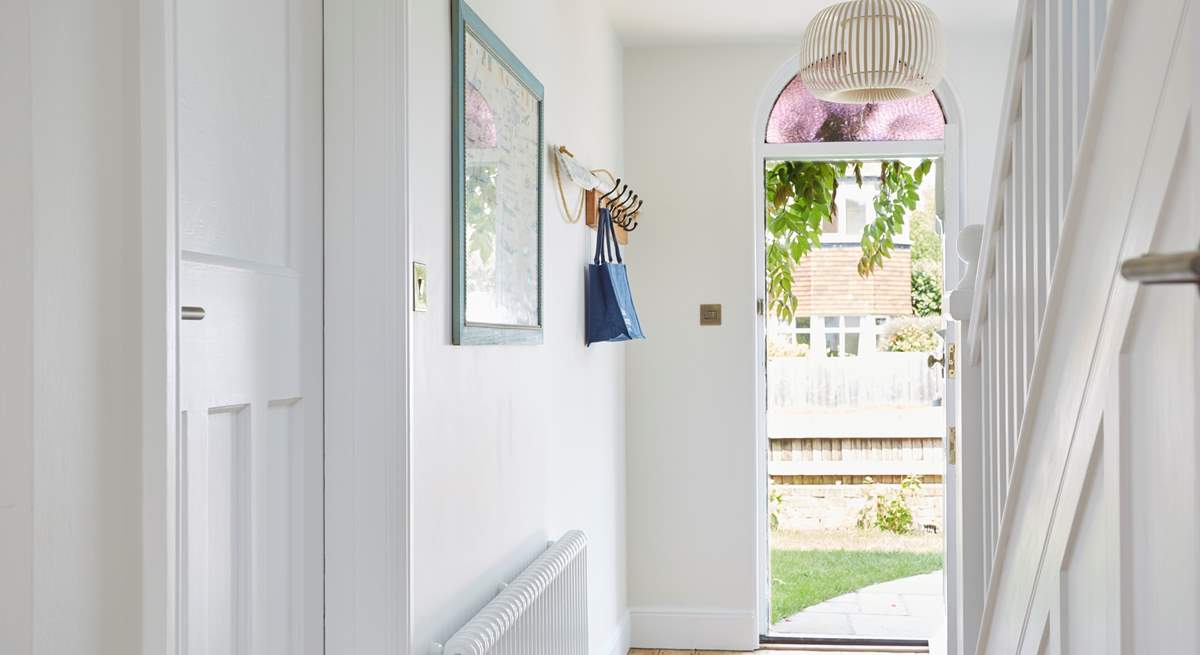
(847,644)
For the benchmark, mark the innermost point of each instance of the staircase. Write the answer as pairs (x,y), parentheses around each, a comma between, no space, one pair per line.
(1059,500)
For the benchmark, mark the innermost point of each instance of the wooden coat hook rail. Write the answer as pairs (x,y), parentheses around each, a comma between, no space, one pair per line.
(622,202)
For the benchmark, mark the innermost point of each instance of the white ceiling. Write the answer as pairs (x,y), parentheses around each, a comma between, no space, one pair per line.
(651,22)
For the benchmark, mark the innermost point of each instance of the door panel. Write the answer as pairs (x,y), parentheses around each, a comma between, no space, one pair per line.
(1084,583)
(233,117)
(1158,418)
(250,225)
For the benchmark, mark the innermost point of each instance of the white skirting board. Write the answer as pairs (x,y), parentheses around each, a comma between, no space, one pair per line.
(687,628)
(618,640)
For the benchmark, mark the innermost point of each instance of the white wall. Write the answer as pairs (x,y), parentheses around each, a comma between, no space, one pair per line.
(514,445)
(689,119)
(16,331)
(977,69)
(72,447)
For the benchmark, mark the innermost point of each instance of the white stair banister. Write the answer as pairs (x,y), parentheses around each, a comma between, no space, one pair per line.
(1086,421)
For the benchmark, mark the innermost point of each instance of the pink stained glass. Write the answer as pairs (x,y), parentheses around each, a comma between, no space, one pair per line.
(799,117)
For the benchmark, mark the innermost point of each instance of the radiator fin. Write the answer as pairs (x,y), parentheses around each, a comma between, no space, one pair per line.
(542,612)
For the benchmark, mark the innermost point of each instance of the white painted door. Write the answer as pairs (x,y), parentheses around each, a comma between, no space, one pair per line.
(248,110)
(1137,522)
(948,202)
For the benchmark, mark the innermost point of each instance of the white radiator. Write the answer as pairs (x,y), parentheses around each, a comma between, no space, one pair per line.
(542,612)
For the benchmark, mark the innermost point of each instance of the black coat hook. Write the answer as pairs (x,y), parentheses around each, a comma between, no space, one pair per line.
(622,209)
(616,185)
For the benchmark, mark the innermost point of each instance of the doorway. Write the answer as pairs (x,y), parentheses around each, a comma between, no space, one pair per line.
(856,419)
(854,490)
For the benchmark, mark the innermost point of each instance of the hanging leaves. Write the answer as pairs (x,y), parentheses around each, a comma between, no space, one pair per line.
(801,197)
(899,193)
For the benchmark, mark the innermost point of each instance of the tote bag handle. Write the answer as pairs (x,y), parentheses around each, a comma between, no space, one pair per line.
(612,236)
(606,239)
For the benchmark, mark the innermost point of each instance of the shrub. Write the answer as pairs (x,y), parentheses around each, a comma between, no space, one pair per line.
(927,288)
(778,347)
(926,260)
(913,335)
(775,496)
(889,511)
(926,242)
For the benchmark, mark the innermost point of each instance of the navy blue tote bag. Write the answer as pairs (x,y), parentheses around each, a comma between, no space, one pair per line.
(610,312)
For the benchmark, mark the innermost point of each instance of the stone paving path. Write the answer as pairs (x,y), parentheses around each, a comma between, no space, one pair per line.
(908,608)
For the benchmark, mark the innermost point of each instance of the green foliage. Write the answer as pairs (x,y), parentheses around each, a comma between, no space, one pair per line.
(927,288)
(926,262)
(801,196)
(926,242)
(913,335)
(899,192)
(803,578)
(889,511)
(775,498)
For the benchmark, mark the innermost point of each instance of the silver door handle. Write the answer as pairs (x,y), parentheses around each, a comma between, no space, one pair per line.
(1174,268)
(187,313)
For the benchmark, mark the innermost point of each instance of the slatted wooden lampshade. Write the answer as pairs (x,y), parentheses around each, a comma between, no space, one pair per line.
(872,51)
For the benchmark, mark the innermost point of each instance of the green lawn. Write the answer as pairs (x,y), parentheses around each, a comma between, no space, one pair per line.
(803,578)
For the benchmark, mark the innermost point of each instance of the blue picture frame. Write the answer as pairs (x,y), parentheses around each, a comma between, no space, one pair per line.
(465,332)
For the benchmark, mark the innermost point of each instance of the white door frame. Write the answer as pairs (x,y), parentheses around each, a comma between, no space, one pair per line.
(367,390)
(950,150)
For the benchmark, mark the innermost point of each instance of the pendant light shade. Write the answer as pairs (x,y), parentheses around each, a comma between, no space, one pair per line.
(872,51)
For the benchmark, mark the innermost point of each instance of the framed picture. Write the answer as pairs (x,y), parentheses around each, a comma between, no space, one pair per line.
(497,153)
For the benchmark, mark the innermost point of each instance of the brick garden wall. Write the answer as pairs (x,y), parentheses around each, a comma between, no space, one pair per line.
(836,506)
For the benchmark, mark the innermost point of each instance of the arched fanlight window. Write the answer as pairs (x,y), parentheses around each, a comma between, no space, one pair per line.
(799,117)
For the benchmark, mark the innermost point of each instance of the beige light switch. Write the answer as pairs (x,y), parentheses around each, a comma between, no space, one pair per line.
(710,314)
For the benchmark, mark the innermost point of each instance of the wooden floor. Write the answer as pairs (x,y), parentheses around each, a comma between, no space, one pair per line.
(778,650)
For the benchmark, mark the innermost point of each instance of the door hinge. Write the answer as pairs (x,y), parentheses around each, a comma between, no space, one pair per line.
(952,445)
(951,357)
(760,306)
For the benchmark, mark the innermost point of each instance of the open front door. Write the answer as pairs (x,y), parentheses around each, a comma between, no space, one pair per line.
(950,198)
(965,549)
(950,491)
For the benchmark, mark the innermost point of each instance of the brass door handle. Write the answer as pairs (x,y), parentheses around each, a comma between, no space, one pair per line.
(191,313)
(946,360)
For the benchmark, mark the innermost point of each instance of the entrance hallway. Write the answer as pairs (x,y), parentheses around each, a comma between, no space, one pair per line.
(441,472)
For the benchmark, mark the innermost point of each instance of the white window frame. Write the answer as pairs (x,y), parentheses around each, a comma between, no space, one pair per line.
(789,331)
(870,331)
